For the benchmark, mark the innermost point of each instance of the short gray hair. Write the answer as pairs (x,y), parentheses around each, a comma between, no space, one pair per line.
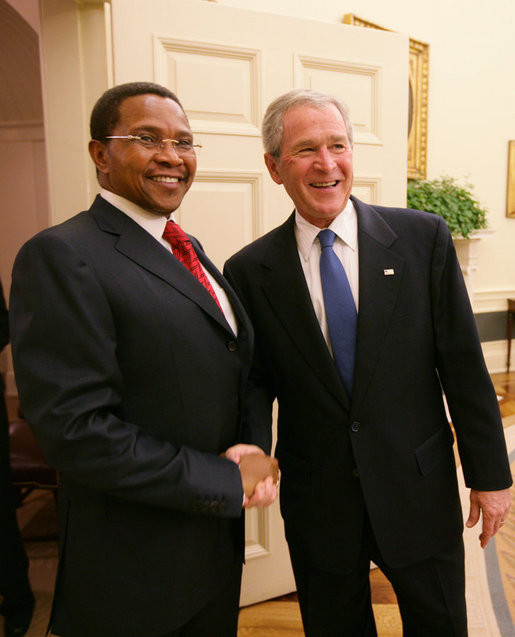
(273,120)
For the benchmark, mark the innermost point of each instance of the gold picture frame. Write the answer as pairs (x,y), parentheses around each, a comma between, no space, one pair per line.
(418,99)
(510,188)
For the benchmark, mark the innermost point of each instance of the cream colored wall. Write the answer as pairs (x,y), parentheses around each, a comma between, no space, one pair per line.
(471,104)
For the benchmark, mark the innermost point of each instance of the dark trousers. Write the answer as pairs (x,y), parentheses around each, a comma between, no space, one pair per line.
(14,582)
(430,594)
(219,617)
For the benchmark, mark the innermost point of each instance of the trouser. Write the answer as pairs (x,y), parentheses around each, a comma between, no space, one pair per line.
(14,582)
(430,594)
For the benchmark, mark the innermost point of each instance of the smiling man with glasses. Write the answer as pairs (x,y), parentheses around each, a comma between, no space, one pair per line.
(131,355)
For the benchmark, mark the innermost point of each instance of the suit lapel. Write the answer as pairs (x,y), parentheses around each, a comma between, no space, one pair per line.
(244,327)
(286,290)
(380,276)
(139,246)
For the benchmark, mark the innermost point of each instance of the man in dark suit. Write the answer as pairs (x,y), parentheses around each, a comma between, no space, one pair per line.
(131,371)
(365,448)
(18,599)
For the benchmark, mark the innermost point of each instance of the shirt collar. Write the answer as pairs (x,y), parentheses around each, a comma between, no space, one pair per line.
(345,226)
(153,224)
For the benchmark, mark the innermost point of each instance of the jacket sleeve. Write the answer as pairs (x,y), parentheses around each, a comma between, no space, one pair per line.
(470,395)
(70,384)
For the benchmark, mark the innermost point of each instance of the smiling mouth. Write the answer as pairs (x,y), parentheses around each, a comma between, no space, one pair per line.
(325,184)
(166,180)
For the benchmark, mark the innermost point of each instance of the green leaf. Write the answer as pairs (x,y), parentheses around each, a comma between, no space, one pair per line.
(446,198)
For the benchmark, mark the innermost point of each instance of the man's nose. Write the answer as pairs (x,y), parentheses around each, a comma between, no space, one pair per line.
(324,159)
(169,151)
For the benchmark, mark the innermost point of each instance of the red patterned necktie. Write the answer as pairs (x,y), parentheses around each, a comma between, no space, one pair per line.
(185,253)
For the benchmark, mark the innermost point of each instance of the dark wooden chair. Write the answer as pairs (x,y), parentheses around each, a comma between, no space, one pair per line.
(29,468)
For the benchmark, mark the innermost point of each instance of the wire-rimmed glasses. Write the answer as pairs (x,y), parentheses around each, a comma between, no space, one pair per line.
(156,144)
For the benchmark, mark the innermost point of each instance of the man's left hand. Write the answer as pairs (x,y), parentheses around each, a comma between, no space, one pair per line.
(494,505)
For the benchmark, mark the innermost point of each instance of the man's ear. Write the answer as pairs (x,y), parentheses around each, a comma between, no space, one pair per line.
(273,168)
(97,151)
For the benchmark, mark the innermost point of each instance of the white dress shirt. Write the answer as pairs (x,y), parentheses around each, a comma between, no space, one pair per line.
(345,226)
(155,225)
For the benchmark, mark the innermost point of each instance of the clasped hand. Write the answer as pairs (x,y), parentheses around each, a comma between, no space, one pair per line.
(259,474)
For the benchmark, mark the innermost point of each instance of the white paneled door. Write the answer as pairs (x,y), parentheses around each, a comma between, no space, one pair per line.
(226,65)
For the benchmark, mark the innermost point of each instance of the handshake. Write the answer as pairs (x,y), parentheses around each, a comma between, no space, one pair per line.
(259,474)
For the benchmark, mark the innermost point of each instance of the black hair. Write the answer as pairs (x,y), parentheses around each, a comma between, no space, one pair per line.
(106,112)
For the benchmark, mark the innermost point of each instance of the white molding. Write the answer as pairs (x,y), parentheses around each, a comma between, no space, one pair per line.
(372,183)
(364,133)
(253,178)
(22,131)
(496,353)
(492,300)
(257,535)
(243,123)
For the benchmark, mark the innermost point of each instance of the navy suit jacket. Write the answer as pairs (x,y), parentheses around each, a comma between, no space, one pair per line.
(388,447)
(133,382)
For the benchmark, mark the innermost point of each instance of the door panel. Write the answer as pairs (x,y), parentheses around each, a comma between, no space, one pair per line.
(226,65)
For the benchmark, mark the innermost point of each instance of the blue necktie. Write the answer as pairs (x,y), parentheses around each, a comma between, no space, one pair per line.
(340,309)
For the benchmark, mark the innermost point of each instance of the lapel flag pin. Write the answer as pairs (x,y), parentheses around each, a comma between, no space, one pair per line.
(389,272)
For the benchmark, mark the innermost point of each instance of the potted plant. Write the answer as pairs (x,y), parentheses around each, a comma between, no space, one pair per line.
(446,198)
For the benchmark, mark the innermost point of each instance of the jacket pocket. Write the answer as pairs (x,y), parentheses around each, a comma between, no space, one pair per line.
(434,450)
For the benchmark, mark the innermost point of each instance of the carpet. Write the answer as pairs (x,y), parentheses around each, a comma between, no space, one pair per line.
(490,573)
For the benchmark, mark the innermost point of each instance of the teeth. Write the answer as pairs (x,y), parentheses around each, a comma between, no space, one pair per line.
(324,184)
(166,180)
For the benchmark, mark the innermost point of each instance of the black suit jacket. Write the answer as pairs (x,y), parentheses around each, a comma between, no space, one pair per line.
(389,447)
(132,381)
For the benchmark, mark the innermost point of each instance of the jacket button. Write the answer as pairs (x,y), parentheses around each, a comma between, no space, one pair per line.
(355,473)
(232,346)
(355,427)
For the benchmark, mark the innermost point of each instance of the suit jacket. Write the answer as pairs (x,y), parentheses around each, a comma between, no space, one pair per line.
(132,381)
(389,447)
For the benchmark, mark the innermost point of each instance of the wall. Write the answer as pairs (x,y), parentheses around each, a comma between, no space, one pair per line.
(23,187)
(23,175)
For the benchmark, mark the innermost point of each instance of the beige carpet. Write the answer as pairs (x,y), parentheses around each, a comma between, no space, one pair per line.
(490,573)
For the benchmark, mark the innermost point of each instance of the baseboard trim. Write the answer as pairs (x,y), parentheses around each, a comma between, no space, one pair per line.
(496,353)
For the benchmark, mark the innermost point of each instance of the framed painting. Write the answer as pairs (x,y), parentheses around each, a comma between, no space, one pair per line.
(418,91)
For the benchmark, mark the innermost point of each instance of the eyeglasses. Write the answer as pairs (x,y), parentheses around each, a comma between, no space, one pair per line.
(156,144)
